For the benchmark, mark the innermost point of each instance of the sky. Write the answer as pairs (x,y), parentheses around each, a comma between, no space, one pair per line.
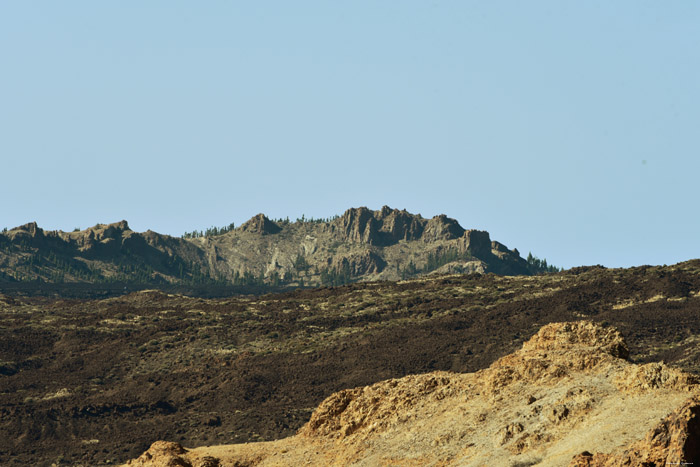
(566,129)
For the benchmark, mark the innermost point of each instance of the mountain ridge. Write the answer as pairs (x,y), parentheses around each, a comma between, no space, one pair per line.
(360,245)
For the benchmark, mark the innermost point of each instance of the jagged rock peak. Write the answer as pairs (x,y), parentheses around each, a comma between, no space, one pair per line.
(260,224)
(388,226)
(359,225)
(386,211)
(31,228)
(102,238)
(28,232)
(442,227)
(398,225)
(119,226)
(34,230)
(101,232)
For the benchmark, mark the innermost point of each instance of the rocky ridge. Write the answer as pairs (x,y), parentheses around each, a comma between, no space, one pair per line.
(360,245)
(567,397)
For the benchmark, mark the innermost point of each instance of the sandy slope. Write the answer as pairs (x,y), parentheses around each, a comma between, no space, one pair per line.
(569,390)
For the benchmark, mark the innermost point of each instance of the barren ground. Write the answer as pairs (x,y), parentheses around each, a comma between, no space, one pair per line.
(96,382)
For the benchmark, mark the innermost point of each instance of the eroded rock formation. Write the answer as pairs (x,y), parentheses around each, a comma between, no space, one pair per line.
(568,397)
(260,224)
(387,244)
(358,264)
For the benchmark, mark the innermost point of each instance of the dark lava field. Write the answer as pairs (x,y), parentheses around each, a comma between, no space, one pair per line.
(95,382)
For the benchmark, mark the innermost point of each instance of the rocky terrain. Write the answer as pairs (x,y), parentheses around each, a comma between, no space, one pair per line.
(96,382)
(568,396)
(360,245)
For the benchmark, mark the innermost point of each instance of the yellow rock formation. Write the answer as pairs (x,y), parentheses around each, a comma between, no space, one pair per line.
(568,397)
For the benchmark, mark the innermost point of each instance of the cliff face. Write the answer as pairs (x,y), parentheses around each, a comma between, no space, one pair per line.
(362,244)
(400,225)
(260,224)
(101,253)
(568,397)
(390,226)
(359,226)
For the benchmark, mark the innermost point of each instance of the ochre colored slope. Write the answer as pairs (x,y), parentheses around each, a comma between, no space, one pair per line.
(569,396)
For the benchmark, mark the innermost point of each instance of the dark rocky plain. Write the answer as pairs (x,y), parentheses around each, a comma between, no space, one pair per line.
(96,381)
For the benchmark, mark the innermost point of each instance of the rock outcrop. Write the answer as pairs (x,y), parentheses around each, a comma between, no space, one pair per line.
(476,243)
(442,228)
(387,244)
(100,239)
(568,397)
(396,226)
(359,225)
(358,264)
(462,267)
(260,224)
(29,230)
(390,226)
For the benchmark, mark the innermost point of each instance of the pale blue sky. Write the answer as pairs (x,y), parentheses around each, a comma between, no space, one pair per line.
(531,120)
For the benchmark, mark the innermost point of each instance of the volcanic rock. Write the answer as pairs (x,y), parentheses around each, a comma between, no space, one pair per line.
(102,236)
(402,245)
(399,225)
(260,224)
(567,393)
(31,229)
(476,243)
(442,228)
(675,440)
(366,262)
(390,226)
(359,225)
(30,233)
(462,267)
